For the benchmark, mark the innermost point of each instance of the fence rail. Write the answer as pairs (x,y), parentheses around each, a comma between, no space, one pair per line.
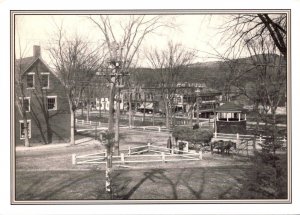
(241,137)
(134,155)
(92,124)
(87,123)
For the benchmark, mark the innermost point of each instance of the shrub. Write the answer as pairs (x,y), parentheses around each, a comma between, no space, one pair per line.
(195,126)
(197,136)
(269,177)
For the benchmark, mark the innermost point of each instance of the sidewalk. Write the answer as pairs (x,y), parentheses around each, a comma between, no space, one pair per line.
(39,147)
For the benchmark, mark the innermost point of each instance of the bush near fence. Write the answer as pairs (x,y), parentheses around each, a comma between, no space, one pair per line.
(196,137)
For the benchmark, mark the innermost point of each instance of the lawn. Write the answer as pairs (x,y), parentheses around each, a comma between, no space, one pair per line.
(48,174)
(222,182)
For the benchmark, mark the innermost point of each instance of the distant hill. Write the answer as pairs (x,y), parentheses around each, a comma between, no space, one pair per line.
(213,73)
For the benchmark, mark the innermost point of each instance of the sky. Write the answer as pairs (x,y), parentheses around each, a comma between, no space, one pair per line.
(200,33)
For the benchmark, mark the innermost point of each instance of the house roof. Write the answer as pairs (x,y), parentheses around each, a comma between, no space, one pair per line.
(209,92)
(230,107)
(148,106)
(22,65)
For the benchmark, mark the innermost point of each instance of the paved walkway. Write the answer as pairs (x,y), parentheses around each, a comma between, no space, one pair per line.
(35,147)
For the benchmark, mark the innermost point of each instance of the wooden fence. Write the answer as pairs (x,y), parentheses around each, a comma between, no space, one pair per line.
(241,137)
(92,125)
(88,123)
(135,155)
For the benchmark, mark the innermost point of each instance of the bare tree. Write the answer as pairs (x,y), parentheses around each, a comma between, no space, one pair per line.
(20,95)
(250,27)
(234,70)
(124,47)
(123,40)
(169,64)
(75,64)
(271,70)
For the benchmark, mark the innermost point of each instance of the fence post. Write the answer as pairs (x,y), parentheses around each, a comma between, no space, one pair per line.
(76,120)
(159,129)
(83,122)
(186,147)
(105,153)
(163,157)
(260,140)
(237,136)
(96,132)
(129,150)
(99,124)
(122,158)
(74,159)
(149,144)
(172,151)
(90,122)
(200,155)
(144,128)
(215,134)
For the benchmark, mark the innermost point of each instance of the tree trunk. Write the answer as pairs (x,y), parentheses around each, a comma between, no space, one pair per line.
(215,119)
(88,112)
(117,121)
(111,108)
(108,171)
(153,114)
(72,134)
(99,110)
(88,106)
(49,132)
(130,110)
(191,114)
(26,138)
(197,111)
(167,114)
(274,131)
(110,146)
(144,108)
(172,114)
(256,127)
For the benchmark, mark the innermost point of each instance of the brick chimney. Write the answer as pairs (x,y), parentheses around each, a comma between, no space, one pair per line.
(36,51)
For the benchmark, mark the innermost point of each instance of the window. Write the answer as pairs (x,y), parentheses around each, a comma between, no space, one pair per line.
(149,96)
(45,80)
(25,102)
(22,129)
(52,102)
(30,80)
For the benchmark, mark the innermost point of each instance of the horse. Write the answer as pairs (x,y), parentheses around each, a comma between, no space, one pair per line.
(217,145)
(223,146)
(228,145)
